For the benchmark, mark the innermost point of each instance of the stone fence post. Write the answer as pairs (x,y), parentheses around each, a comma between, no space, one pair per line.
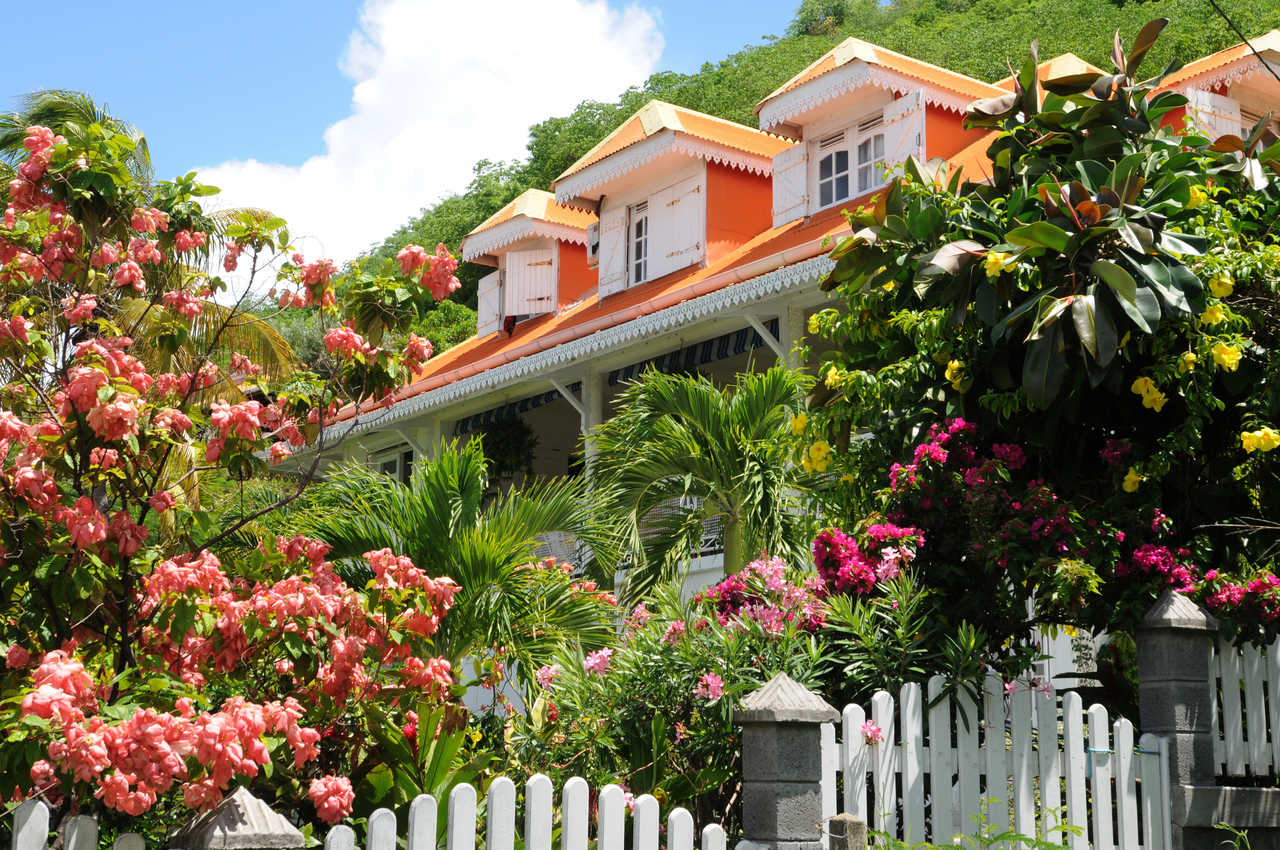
(782,766)
(240,822)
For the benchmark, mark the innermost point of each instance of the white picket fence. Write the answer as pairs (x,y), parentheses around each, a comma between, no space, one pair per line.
(31,823)
(1246,704)
(1024,761)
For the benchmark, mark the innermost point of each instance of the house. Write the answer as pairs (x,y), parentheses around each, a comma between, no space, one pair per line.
(1231,90)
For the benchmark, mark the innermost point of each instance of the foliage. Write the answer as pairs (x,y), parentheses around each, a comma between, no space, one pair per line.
(654,712)
(509,444)
(676,437)
(442,517)
(138,672)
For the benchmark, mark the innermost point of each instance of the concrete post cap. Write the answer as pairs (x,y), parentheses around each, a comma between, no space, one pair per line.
(784,700)
(1173,610)
(240,822)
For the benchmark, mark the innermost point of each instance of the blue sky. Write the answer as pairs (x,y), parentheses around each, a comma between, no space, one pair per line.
(262,80)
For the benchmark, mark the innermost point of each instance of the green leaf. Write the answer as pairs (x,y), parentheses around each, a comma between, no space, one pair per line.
(1104,326)
(1125,289)
(1040,234)
(1043,368)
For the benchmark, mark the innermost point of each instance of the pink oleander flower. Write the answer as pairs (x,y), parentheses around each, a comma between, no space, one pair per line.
(872,733)
(547,674)
(333,798)
(710,686)
(674,632)
(597,663)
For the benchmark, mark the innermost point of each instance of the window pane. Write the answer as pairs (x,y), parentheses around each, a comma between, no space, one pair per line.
(864,152)
(864,178)
(842,187)
(824,167)
(842,161)
(824,192)
(879,145)
(639,228)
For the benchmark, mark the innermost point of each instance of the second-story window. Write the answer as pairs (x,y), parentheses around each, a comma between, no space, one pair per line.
(639,242)
(870,154)
(833,170)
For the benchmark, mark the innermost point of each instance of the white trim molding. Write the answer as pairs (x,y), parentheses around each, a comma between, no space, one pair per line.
(814,93)
(515,229)
(728,301)
(1229,74)
(641,153)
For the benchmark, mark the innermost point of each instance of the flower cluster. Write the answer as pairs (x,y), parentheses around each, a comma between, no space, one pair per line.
(762,594)
(434,272)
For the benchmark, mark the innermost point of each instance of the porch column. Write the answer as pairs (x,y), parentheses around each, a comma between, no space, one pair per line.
(593,406)
(791,333)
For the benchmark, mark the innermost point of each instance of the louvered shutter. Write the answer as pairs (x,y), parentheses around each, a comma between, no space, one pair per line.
(790,185)
(904,129)
(489,304)
(613,250)
(677,226)
(1213,114)
(529,288)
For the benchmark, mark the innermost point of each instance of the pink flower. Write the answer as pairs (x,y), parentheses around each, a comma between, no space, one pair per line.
(872,733)
(345,342)
(15,328)
(162,501)
(278,452)
(709,686)
(1010,688)
(149,220)
(183,303)
(598,662)
(129,273)
(105,254)
(80,308)
(411,258)
(674,632)
(116,419)
(547,674)
(439,279)
(145,250)
(185,240)
(85,523)
(333,798)
(417,351)
(17,658)
(129,536)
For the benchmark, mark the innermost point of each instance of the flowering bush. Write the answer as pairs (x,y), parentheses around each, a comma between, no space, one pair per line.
(654,712)
(137,669)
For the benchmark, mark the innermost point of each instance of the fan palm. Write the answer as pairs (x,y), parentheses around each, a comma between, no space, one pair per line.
(442,521)
(681,439)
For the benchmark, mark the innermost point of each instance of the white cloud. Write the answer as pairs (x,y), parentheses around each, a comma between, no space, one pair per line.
(439,84)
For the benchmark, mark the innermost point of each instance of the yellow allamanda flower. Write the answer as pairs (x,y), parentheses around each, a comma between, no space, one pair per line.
(1132,480)
(995,262)
(1156,401)
(1213,315)
(798,423)
(1262,440)
(1187,362)
(833,379)
(1198,197)
(1227,356)
(1143,385)
(1221,285)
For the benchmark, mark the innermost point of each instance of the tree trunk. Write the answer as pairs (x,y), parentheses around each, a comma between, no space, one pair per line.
(733,544)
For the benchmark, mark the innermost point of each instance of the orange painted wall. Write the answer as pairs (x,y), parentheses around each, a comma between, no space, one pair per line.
(576,280)
(944,132)
(739,207)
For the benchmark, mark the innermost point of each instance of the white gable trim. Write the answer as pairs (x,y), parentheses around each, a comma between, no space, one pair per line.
(515,229)
(845,79)
(1229,74)
(641,153)
(800,276)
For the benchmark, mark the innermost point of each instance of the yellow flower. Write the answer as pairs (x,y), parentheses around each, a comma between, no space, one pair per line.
(847,478)
(1155,400)
(1262,440)
(833,379)
(1132,480)
(955,371)
(1187,362)
(1198,196)
(995,262)
(820,450)
(813,323)
(1070,631)
(1143,385)
(798,423)
(1221,285)
(1213,315)
(1227,356)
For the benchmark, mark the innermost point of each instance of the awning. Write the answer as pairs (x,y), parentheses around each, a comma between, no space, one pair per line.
(698,354)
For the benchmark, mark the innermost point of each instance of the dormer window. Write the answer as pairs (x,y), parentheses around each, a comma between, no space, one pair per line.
(639,246)
(833,170)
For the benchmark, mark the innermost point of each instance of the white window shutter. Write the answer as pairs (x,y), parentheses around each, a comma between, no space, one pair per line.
(677,226)
(904,128)
(529,288)
(790,185)
(1213,114)
(489,304)
(613,250)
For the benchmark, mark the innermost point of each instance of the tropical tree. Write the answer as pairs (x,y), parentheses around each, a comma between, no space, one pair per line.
(729,449)
(441,517)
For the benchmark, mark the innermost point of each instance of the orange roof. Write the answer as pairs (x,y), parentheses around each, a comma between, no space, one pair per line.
(856,49)
(1267,43)
(656,116)
(1058,66)
(540,206)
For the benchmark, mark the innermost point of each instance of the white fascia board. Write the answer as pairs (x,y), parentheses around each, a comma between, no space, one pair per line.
(847,78)
(513,230)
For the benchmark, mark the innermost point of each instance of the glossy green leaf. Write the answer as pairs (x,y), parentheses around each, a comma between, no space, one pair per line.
(1124,287)
(1040,234)
(1043,368)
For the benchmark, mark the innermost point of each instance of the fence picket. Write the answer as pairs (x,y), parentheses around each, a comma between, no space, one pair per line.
(1047,737)
(1024,799)
(1151,788)
(81,833)
(129,841)
(644,823)
(830,754)
(967,767)
(1233,729)
(30,825)
(1273,689)
(940,754)
(1074,754)
(853,763)
(341,837)
(574,805)
(713,837)
(611,827)
(1215,709)
(1255,712)
(679,830)
(462,818)
(884,766)
(1100,777)
(380,832)
(422,824)
(996,795)
(500,815)
(1126,790)
(538,812)
(912,735)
